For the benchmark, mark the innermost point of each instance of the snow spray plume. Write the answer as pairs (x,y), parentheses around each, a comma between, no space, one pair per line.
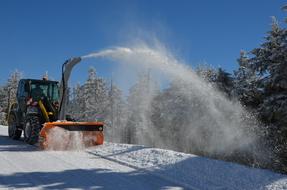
(212,123)
(61,139)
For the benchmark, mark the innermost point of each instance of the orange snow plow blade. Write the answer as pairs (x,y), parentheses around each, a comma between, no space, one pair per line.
(65,135)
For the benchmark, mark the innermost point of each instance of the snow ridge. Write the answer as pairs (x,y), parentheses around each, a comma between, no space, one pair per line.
(191,171)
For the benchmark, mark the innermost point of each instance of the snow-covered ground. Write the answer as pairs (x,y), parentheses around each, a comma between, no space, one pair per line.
(121,166)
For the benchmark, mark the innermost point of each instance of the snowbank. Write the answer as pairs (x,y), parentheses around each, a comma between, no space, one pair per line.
(192,171)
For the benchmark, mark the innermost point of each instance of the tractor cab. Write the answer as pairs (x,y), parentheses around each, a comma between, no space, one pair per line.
(40,94)
(37,89)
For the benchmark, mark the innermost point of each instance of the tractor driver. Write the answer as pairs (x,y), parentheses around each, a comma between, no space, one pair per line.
(37,92)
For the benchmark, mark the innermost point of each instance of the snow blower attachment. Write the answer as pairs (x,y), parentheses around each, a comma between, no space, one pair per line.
(88,134)
(40,111)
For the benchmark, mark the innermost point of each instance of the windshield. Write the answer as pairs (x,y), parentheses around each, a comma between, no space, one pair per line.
(50,90)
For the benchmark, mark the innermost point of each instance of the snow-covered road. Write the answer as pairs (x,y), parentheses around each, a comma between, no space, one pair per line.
(121,166)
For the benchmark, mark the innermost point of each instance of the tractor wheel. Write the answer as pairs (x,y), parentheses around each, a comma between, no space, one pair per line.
(13,131)
(32,129)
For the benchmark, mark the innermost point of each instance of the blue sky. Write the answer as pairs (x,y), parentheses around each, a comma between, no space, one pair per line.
(38,36)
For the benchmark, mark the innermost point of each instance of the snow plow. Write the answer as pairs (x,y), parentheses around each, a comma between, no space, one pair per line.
(40,110)
(89,134)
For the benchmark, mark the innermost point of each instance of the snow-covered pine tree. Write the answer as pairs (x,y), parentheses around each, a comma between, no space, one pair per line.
(139,126)
(207,73)
(12,84)
(245,83)
(224,82)
(76,107)
(218,78)
(116,115)
(170,115)
(8,94)
(95,96)
(89,102)
(284,8)
(3,105)
(270,63)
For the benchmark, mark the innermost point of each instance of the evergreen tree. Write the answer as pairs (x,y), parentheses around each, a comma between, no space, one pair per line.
(245,83)
(207,73)
(284,8)
(89,102)
(269,61)
(219,78)
(139,126)
(170,114)
(8,94)
(95,96)
(224,82)
(116,115)
(12,85)
(3,105)
(77,105)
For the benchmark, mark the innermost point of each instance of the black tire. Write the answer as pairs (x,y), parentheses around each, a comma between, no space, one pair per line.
(32,129)
(13,131)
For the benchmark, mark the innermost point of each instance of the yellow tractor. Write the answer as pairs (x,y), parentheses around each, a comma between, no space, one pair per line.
(41,107)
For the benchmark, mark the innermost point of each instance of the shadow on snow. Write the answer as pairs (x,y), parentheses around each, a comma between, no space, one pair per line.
(85,179)
(10,145)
